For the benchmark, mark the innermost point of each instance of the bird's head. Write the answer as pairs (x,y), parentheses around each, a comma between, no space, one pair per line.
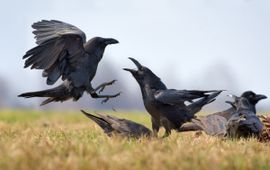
(243,122)
(104,41)
(252,97)
(99,43)
(240,103)
(144,76)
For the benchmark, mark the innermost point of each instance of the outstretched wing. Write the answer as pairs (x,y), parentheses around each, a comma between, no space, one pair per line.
(57,42)
(178,97)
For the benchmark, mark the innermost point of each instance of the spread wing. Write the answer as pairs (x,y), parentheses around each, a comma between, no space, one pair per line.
(59,47)
(178,97)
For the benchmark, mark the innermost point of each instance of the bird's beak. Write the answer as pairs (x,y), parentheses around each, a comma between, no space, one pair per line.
(130,70)
(231,103)
(234,97)
(138,65)
(111,41)
(260,97)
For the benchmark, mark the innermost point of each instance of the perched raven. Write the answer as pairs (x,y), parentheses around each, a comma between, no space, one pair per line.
(62,51)
(112,125)
(167,106)
(252,97)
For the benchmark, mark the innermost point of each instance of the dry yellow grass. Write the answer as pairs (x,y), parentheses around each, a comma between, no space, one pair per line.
(51,140)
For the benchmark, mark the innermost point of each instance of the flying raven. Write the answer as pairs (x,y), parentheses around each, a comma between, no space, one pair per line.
(167,106)
(113,125)
(62,51)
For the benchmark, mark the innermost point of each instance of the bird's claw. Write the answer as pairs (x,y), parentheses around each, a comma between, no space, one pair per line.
(105,100)
(108,97)
(101,90)
(106,84)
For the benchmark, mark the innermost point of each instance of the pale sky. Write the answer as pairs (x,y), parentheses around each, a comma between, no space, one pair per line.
(190,44)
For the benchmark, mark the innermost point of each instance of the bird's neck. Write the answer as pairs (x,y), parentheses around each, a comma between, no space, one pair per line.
(146,90)
(96,52)
(99,54)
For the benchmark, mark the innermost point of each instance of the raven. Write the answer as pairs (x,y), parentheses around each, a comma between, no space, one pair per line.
(252,97)
(62,51)
(243,122)
(167,106)
(113,125)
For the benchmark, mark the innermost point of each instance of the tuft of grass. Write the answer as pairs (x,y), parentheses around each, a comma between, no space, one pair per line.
(70,141)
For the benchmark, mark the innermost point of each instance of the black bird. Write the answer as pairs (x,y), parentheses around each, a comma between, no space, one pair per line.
(252,97)
(113,125)
(167,106)
(244,122)
(62,51)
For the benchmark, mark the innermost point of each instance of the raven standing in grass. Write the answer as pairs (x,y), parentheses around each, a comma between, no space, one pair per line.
(62,51)
(167,106)
(244,122)
(113,125)
(253,99)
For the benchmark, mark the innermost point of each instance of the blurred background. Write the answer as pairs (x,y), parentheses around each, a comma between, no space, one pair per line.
(191,44)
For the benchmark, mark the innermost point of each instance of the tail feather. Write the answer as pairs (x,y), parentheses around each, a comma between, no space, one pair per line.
(197,106)
(101,122)
(59,93)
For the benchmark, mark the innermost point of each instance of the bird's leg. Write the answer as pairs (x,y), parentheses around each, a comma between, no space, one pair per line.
(166,124)
(107,97)
(93,92)
(155,127)
(102,86)
(167,133)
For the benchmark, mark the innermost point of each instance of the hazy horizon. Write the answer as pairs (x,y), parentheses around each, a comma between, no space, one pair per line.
(189,44)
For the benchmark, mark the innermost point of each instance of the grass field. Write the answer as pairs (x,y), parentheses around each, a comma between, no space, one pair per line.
(53,140)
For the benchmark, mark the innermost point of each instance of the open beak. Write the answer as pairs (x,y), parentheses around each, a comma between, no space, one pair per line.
(138,65)
(260,97)
(231,103)
(111,41)
(130,70)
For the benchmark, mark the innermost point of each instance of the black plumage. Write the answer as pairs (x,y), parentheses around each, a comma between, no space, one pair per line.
(62,51)
(167,107)
(253,99)
(243,121)
(114,126)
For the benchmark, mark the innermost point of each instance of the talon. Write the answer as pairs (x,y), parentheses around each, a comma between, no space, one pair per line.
(112,82)
(118,94)
(105,100)
(106,84)
(101,90)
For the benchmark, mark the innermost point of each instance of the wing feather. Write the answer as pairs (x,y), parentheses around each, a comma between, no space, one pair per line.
(57,43)
(176,97)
